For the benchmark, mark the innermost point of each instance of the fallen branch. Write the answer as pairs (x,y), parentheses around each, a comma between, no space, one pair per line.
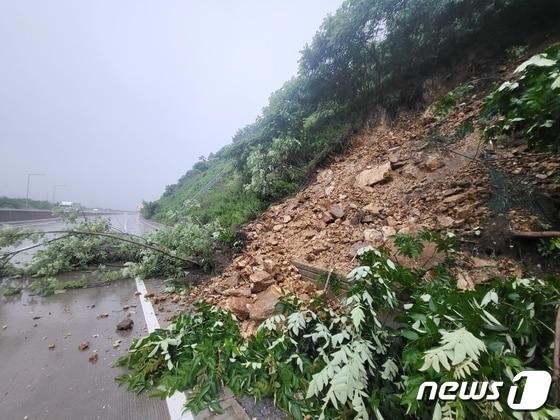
(535,235)
(67,233)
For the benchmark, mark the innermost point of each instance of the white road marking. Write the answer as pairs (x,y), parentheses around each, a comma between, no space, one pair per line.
(177,401)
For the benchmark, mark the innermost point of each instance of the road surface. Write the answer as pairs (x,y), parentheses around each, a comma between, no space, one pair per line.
(38,382)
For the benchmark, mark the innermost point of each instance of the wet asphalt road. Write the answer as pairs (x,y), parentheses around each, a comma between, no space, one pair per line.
(37,382)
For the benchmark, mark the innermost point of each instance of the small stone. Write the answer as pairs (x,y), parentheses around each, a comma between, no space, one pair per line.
(287,218)
(328,218)
(93,357)
(103,315)
(433,162)
(84,345)
(125,324)
(374,209)
(277,228)
(445,221)
(337,211)
(51,346)
(4,327)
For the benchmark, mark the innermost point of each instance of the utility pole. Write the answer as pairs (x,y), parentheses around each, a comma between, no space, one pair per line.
(28,182)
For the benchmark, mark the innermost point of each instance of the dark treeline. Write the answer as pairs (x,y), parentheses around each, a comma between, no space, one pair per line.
(369,55)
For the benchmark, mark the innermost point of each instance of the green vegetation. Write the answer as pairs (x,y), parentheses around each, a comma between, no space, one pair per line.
(370,54)
(12,291)
(528,106)
(50,285)
(21,203)
(322,363)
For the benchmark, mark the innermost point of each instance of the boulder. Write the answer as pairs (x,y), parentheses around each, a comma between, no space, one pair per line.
(372,176)
(260,281)
(238,305)
(264,304)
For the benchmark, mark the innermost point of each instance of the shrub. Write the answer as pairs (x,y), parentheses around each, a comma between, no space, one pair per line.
(528,106)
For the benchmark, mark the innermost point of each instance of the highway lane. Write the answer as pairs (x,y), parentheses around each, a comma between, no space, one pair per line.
(38,382)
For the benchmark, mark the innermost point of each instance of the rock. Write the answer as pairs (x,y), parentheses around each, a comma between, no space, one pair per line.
(390,221)
(388,231)
(483,262)
(84,345)
(411,171)
(372,176)
(125,324)
(103,315)
(328,218)
(337,211)
(116,343)
(243,291)
(445,221)
(265,304)
(260,281)
(93,357)
(433,162)
(374,209)
(373,235)
(428,259)
(287,218)
(455,199)
(238,305)
(277,228)
(51,346)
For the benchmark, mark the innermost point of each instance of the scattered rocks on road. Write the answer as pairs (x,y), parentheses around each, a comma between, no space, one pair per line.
(102,315)
(93,357)
(51,346)
(125,324)
(84,345)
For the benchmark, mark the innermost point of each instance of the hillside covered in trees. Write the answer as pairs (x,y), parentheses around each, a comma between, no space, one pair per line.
(372,58)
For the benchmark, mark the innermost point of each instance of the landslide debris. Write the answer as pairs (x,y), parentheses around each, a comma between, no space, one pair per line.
(418,172)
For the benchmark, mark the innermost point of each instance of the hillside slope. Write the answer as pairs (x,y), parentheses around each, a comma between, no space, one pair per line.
(421,171)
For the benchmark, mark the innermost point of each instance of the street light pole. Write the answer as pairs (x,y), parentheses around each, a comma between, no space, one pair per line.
(28,182)
(54,192)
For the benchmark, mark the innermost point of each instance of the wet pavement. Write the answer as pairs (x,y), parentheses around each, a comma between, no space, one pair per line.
(38,382)
(60,383)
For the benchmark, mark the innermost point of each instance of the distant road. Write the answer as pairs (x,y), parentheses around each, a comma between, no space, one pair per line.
(21,215)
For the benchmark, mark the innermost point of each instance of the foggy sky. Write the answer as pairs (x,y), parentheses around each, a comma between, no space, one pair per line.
(115,99)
